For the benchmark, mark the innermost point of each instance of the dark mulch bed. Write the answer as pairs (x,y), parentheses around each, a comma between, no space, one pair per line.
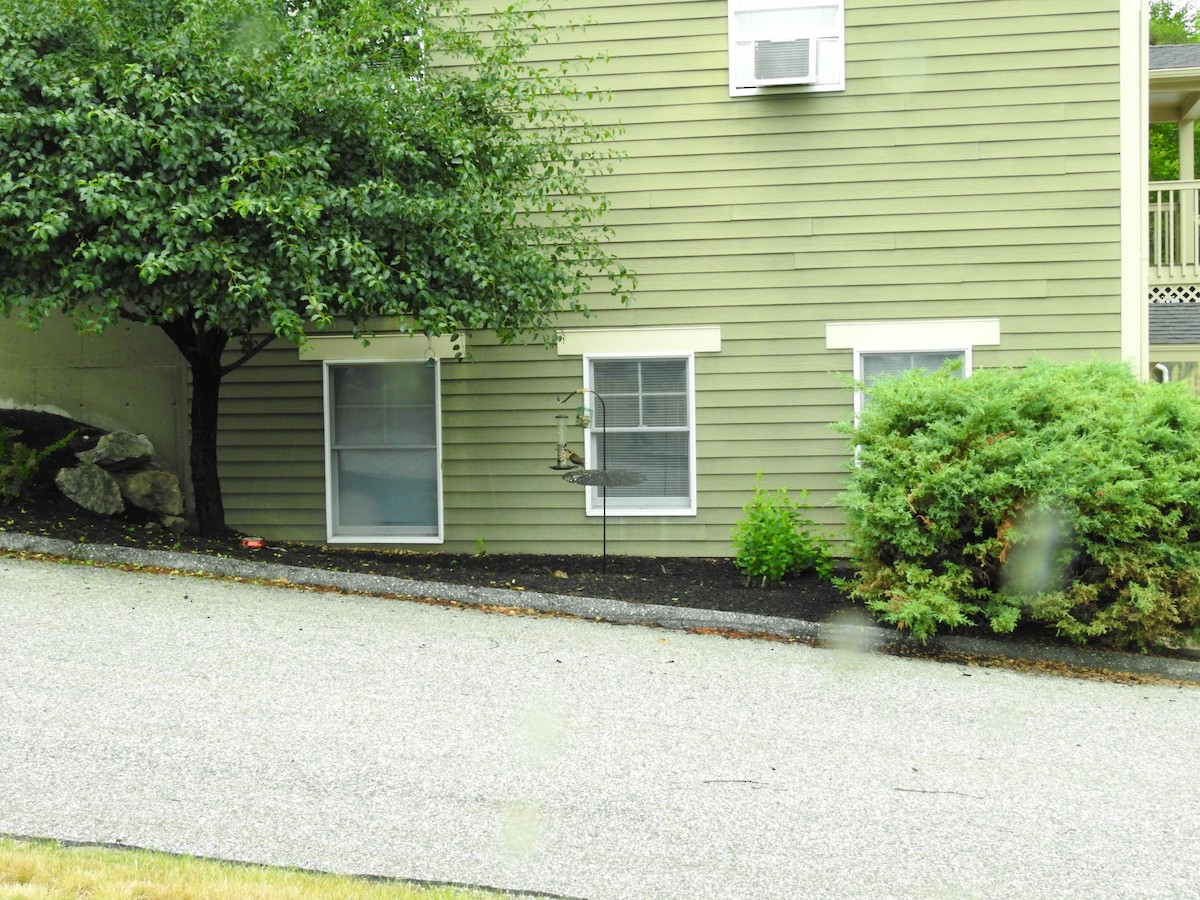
(699,583)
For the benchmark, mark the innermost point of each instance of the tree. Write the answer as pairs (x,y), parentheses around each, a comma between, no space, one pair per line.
(235,171)
(1172,22)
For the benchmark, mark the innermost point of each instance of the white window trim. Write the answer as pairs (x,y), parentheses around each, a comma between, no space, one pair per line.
(830,46)
(592,504)
(330,499)
(643,340)
(911,334)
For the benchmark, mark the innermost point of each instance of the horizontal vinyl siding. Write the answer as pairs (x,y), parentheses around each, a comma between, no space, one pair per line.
(271,447)
(969,169)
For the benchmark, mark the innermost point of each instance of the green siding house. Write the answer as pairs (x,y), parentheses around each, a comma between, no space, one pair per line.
(812,191)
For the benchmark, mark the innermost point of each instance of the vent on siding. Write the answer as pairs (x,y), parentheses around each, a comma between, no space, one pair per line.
(784,62)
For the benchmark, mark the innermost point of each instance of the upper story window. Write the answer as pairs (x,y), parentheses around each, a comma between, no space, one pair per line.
(786,44)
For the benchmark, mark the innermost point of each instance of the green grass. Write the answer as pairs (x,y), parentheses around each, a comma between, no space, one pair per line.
(47,870)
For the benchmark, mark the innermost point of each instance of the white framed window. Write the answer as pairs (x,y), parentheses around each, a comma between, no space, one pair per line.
(643,422)
(793,44)
(890,348)
(872,366)
(383,451)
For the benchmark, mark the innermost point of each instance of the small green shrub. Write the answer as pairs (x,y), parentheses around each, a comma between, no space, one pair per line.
(1059,494)
(19,463)
(776,539)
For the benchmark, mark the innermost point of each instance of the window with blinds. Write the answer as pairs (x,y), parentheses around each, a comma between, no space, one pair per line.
(384,465)
(643,425)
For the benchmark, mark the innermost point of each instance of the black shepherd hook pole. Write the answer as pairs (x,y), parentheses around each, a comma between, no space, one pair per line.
(603,471)
(601,477)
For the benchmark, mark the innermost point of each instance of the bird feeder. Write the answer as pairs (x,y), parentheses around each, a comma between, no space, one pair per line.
(562,454)
(583,416)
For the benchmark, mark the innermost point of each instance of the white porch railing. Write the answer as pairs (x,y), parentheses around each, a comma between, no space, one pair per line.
(1174,232)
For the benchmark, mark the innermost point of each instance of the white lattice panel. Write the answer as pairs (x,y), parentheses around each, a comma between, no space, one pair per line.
(1175,293)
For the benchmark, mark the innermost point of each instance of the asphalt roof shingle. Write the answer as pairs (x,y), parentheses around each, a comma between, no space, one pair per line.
(1175,56)
(1175,323)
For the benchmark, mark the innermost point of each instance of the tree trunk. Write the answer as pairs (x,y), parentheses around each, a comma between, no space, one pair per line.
(206,480)
(202,350)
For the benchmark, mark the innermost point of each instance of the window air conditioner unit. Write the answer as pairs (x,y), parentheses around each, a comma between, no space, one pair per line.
(784,61)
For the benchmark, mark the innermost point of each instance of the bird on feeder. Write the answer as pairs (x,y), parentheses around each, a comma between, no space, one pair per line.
(574,458)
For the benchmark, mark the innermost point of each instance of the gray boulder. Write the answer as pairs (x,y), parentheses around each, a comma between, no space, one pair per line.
(119,450)
(92,488)
(154,490)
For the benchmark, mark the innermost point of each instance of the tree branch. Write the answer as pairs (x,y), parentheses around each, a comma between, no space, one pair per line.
(247,355)
(131,316)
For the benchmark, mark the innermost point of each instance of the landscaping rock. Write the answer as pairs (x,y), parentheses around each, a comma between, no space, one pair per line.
(152,489)
(119,451)
(92,488)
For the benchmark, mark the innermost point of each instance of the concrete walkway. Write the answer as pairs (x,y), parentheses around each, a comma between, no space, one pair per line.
(574,758)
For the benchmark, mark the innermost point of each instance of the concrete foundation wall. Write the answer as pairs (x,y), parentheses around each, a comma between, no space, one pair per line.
(130,378)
